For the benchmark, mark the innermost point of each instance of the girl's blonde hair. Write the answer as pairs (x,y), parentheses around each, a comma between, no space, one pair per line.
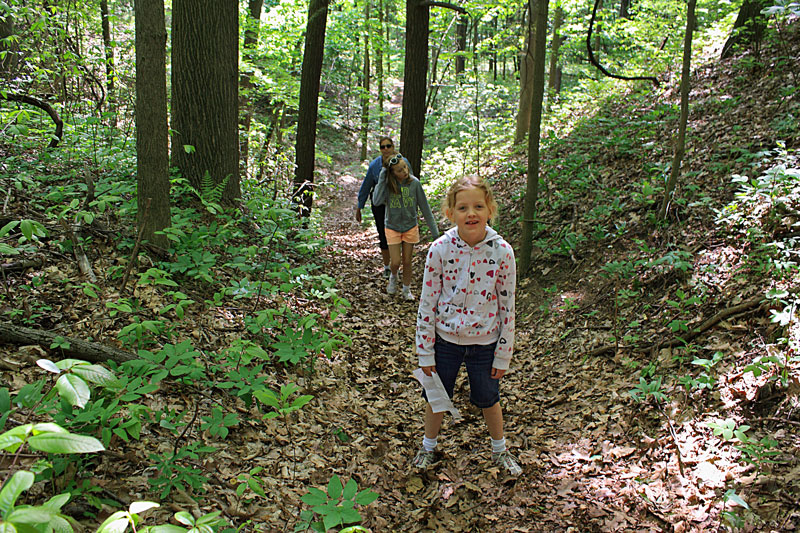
(464,183)
(391,179)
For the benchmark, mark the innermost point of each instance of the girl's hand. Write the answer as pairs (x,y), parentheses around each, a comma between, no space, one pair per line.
(497,373)
(429,369)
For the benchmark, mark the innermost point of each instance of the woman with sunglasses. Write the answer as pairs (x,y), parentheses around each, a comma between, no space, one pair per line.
(402,194)
(378,211)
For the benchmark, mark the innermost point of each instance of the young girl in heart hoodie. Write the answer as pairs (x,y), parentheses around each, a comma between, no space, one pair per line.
(466,313)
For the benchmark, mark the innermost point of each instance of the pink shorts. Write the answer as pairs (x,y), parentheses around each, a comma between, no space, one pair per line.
(395,237)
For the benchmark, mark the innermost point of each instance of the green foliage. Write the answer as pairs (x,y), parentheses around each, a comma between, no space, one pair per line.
(280,403)
(335,507)
(176,471)
(648,389)
(43,518)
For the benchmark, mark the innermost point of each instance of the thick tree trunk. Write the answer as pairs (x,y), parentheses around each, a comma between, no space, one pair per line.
(748,27)
(79,349)
(307,115)
(412,124)
(205,104)
(532,188)
(152,148)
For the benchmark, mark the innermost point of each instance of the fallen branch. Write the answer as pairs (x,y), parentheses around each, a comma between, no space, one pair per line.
(80,255)
(25,264)
(747,305)
(78,349)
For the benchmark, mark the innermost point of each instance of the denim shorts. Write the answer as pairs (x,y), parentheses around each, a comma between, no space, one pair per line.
(483,390)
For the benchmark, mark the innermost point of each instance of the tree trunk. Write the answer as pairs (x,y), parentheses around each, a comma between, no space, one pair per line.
(412,124)
(78,349)
(379,66)
(152,152)
(748,28)
(109,50)
(555,44)
(532,188)
(461,44)
(205,105)
(246,83)
(308,106)
(680,143)
(365,94)
(526,78)
(625,9)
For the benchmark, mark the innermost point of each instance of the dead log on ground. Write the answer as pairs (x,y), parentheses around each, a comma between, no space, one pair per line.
(78,349)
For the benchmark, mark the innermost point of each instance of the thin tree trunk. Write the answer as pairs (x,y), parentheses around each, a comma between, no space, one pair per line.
(109,50)
(379,65)
(246,83)
(532,188)
(365,94)
(680,144)
(526,79)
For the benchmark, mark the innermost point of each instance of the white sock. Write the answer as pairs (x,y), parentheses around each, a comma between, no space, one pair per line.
(429,444)
(386,268)
(499,446)
(406,288)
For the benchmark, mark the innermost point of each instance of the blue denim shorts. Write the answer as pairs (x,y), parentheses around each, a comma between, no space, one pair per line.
(483,390)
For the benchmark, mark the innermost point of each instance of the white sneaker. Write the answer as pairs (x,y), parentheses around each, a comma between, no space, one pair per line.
(407,293)
(392,287)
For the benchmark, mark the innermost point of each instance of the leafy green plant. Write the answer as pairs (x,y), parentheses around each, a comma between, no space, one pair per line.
(249,481)
(29,518)
(177,471)
(731,517)
(648,389)
(218,423)
(335,507)
(73,376)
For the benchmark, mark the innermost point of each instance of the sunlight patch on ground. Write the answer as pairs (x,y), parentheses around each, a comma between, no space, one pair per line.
(716,267)
(348,179)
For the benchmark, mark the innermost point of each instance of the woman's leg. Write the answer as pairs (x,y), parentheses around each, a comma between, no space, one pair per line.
(408,250)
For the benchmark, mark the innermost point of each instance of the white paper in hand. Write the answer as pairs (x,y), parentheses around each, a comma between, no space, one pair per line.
(437,395)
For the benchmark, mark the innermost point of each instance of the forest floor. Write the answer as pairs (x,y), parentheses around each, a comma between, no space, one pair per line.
(593,459)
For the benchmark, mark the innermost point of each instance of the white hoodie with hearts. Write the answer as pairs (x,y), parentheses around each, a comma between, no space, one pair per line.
(468,296)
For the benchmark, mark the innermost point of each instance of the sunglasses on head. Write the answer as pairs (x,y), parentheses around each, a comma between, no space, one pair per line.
(395,159)
(383,146)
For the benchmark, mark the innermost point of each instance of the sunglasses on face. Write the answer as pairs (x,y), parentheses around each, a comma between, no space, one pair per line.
(395,159)
(385,146)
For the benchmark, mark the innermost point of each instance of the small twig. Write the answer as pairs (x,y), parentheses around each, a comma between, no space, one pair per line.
(185,430)
(135,247)
(674,438)
(775,419)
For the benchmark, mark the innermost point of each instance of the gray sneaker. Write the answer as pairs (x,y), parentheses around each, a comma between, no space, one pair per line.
(387,272)
(407,294)
(507,462)
(392,287)
(423,459)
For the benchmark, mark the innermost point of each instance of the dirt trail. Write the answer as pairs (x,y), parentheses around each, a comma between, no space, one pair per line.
(566,419)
